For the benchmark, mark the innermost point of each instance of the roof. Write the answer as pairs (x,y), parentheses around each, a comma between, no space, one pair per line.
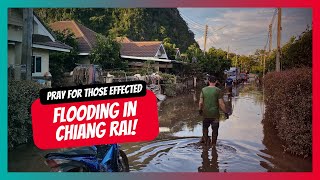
(146,58)
(140,49)
(44,25)
(46,41)
(123,40)
(86,38)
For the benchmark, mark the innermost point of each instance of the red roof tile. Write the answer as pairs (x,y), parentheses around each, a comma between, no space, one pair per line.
(140,49)
(86,37)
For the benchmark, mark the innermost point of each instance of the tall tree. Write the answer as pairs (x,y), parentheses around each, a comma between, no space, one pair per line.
(106,53)
(61,62)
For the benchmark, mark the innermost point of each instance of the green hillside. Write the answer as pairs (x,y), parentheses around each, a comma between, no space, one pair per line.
(135,23)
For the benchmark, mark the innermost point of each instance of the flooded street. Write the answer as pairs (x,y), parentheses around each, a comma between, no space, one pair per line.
(244,144)
(240,148)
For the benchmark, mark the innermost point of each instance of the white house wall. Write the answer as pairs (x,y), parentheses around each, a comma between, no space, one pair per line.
(39,28)
(40,31)
(161,53)
(44,60)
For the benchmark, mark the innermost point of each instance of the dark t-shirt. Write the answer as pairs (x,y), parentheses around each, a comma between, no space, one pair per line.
(229,82)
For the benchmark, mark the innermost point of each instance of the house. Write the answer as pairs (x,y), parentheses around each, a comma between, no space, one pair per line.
(136,52)
(139,52)
(43,42)
(85,37)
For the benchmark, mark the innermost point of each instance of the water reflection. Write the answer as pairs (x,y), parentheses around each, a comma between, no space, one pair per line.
(209,165)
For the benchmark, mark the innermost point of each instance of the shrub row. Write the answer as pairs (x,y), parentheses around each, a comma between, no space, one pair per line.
(21,94)
(289,108)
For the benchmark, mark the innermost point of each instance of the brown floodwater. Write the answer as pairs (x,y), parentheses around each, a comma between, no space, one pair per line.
(244,144)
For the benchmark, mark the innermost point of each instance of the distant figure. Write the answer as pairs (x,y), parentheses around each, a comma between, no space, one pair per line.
(211,98)
(228,85)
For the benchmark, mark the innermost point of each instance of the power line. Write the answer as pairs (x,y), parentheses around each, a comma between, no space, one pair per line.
(273,20)
(274,15)
(199,26)
(271,23)
(198,29)
(190,20)
(196,26)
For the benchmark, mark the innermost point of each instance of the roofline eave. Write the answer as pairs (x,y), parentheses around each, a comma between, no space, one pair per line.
(40,46)
(146,58)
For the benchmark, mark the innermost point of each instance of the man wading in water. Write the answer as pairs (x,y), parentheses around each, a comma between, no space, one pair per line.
(211,98)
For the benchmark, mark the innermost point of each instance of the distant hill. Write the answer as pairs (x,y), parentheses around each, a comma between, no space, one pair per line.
(135,23)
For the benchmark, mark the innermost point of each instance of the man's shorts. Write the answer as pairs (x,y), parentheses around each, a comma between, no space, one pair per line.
(210,121)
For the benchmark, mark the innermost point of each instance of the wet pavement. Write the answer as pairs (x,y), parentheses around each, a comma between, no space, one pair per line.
(244,143)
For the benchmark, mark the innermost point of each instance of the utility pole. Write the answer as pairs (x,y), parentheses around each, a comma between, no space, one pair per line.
(26,54)
(264,63)
(228,53)
(205,39)
(270,38)
(278,41)
(236,61)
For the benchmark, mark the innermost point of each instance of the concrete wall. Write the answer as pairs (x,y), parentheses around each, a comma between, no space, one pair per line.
(15,17)
(11,55)
(15,33)
(15,26)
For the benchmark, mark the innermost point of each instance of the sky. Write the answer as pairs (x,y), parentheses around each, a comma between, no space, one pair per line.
(244,29)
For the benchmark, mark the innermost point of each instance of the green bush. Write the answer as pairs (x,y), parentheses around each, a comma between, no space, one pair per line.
(21,94)
(167,78)
(289,108)
(170,89)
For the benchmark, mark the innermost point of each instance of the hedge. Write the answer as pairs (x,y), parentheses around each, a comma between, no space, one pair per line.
(21,94)
(288,99)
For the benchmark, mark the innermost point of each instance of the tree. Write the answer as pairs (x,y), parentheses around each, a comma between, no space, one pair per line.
(170,48)
(245,63)
(297,52)
(106,53)
(194,51)
(213,65)
(61,62)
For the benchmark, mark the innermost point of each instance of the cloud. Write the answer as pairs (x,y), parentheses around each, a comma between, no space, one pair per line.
(246,28)
(211,40)
(241,25)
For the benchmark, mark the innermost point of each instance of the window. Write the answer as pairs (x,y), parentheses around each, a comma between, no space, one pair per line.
(36,64)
